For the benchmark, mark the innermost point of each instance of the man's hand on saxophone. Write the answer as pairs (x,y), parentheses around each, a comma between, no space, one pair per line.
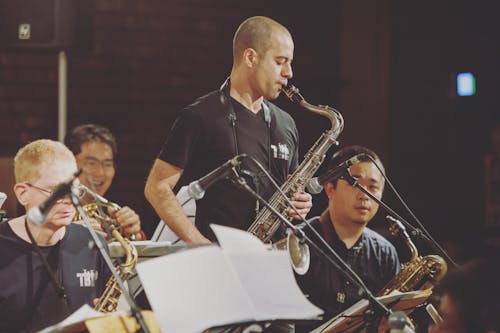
(302,201)
(129,221)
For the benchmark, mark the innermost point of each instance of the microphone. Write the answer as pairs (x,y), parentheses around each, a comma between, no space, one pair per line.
(399,323)
(197,188)
(315,185)
(38,214)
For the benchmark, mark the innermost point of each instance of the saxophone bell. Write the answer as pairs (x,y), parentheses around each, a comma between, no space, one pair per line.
(298,250)
(419,272)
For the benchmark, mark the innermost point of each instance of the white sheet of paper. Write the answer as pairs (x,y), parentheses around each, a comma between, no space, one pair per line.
(266,275)
(194,290)
(235,240)
(241,281)
(269,281)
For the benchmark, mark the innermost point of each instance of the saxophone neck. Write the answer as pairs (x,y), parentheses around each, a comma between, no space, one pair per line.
(332,114)
(336,119)
(128,248)
(397,228)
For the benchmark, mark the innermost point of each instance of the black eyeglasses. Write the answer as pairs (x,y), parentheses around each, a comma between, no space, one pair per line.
(49,192)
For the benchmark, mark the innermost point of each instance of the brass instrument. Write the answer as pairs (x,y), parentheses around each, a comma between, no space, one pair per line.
(266,223)
(95,208)
(108,301)
(419,273)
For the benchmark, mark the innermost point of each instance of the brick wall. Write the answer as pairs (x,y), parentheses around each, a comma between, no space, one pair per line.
(147,60)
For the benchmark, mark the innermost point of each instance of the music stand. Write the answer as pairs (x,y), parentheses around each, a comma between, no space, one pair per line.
(85,319)
(146,249)
(354,318)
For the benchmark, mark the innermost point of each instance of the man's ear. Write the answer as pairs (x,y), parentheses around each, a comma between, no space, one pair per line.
(328,188)
(21,192)
(250,56)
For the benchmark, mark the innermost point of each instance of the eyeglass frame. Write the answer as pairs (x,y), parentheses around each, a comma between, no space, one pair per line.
(102,164)
(44,190)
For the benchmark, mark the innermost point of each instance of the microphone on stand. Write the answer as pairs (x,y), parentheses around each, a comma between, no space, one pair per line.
(196,189)
(315,185)
(38,214)
(400,323)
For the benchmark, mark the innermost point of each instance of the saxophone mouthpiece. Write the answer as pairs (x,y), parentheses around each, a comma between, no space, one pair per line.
(293,93)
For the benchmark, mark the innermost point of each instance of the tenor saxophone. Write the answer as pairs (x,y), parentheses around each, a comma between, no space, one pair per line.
(266,223)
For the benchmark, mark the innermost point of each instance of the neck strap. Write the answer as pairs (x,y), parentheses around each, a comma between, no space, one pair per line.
(58,286)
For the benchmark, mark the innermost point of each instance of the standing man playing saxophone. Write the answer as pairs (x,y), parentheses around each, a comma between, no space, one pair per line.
(238,118)
(95,150)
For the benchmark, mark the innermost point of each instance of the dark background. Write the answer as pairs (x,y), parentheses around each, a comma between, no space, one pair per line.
(388,66)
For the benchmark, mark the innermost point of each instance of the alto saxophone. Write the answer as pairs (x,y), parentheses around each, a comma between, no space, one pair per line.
(419,273)
(95,208)
(266,223)
(108,301)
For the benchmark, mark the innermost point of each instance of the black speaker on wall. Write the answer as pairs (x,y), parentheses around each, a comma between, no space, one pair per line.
(47,24)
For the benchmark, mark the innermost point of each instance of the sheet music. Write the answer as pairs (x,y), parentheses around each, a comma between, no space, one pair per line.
(235,240)
(256,265)
(239,282)
(193,290)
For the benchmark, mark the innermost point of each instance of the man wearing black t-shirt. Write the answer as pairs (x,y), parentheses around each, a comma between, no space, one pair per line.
(46,271)
(238,118)
(344,226)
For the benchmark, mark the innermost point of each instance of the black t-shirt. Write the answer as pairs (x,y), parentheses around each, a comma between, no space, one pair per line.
(372,257)
(203,138)
(28,298)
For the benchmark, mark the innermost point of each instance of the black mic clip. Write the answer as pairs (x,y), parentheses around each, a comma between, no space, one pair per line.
(350,179)
(197,188)
(38,214)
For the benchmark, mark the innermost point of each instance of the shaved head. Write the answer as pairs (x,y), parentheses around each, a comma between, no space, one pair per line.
(255,32)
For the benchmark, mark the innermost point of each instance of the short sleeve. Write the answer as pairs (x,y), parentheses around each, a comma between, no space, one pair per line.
(182,139)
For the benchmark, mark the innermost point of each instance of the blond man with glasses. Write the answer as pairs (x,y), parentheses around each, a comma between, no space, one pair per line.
(47,271)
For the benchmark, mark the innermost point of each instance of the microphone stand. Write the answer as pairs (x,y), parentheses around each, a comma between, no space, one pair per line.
(353,181)
(375,305)
(133,307)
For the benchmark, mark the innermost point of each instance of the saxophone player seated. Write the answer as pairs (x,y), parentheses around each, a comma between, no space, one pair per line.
(95,150)
(344,226)
(47,271)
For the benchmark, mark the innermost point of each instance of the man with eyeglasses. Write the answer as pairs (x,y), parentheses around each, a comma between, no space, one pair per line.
(95,150)
(46,271)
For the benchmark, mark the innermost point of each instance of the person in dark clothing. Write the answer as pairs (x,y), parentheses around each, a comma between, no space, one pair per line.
(470,298)
(95,149)
(47,271)
(238,118)
(344,226)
